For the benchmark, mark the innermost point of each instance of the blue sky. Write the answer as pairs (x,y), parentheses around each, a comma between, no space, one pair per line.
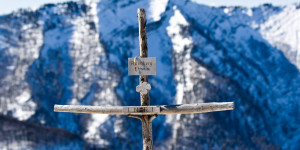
(7,6)
(248,3)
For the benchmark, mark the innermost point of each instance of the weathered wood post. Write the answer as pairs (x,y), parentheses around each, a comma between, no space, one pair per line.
(145,98)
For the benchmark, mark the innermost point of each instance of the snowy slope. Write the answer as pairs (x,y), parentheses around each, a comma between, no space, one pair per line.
(278,25)
(283,31)
(76,53)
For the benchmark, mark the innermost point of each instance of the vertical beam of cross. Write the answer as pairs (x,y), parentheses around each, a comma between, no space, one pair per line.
(145,98)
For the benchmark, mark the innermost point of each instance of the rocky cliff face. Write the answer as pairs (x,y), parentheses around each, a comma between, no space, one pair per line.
(76,53)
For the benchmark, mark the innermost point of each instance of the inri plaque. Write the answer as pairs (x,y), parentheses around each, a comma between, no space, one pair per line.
(141,109)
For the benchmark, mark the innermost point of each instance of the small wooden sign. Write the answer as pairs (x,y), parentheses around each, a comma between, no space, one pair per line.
(141,109)
(142,66)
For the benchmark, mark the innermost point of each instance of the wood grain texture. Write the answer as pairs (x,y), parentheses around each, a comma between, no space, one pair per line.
(145,98)
(163,109)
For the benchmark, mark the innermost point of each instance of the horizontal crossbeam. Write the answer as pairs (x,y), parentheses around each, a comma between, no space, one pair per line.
(147,110)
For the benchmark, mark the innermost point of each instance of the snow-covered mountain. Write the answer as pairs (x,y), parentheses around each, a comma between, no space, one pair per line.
(76,53)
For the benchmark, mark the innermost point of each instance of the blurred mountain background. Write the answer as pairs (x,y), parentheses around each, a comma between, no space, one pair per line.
(76,53)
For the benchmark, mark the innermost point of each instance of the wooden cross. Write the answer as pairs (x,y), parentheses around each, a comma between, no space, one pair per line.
(145,112)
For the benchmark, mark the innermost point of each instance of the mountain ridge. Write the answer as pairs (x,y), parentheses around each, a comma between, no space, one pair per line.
(76,53)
